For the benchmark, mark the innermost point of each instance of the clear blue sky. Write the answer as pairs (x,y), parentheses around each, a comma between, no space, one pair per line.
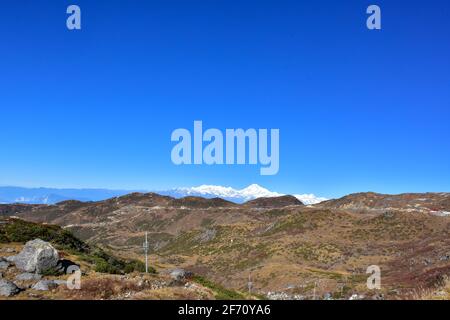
(357,110)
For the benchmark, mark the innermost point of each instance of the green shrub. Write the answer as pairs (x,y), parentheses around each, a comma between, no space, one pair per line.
(105,263)
(15,230)
(52,272)
(104,267)
(137,266)
(220,292)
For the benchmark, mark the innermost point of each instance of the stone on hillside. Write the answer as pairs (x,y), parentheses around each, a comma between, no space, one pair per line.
(60,282)
(445,257)
(378,296)
(180,274)
(8,288)
(327,296)
(36,256)
(44,285)
(28,277)
(4,264)
(357,297)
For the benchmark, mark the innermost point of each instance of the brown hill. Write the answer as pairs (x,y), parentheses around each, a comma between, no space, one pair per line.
(105,276)
(417,202)
(276,202)
(198,202)
(7,210)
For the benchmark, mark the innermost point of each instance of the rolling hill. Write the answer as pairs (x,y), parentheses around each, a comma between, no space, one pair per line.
(285,246)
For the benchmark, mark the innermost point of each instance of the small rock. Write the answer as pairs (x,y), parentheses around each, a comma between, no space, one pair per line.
(180,274)
(60,282)
(427,262)
(4,265)
(378,296)
(8,288)
(328,296)
(142,283)
(440,293)
(445,258)
(44,285)
(189,285)
(207,236)
(28,277)
(290,287)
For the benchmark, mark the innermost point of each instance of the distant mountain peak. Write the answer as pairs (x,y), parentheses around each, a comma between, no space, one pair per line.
(251,192)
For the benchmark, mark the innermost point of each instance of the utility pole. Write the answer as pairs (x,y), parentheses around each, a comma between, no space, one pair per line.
(145,246)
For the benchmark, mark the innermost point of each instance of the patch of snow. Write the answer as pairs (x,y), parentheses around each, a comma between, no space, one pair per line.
(442,213)
(309,199)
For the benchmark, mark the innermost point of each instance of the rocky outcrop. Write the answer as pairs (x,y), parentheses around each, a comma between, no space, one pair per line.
(37,256)
(8,288)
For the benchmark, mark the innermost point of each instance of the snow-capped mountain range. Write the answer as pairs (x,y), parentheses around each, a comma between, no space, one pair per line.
(52,196)
(251,192)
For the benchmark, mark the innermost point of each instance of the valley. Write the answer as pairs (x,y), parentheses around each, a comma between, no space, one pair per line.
(288,249)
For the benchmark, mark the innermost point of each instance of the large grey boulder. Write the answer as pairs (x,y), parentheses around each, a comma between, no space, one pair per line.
(8,288)
(36,256)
